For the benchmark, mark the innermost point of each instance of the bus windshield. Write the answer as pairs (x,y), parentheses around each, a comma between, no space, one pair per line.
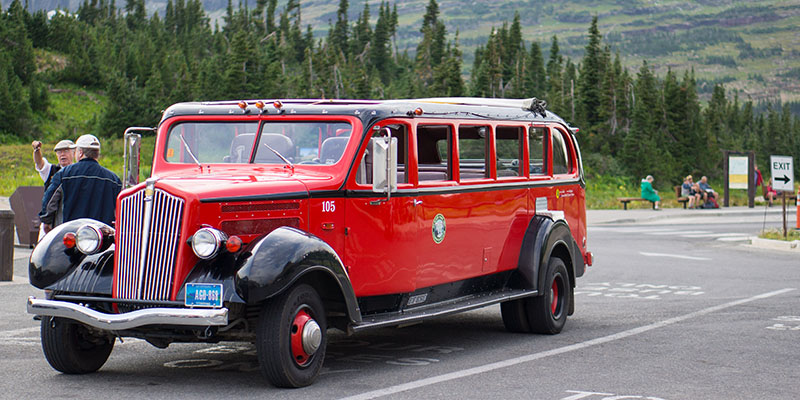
(299,142)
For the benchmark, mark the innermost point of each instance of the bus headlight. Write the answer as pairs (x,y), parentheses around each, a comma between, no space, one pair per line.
(206,242)
(88,239)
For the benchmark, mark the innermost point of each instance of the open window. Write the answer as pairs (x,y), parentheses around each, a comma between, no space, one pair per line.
(562,163)
(400,132)
(473,146)
(508,148)
(434,146)
(537,156)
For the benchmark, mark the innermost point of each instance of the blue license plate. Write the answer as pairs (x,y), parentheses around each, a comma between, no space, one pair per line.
(203,295)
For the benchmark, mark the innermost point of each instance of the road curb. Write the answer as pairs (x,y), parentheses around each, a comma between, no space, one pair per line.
(698,213)
(770,244)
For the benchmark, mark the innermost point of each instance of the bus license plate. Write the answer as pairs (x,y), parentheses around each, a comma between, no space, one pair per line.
(203,295)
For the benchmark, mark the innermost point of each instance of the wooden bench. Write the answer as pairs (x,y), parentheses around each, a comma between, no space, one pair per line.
(626,200)
(681,199)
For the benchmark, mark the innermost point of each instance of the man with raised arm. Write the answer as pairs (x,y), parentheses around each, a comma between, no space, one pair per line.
(81,190)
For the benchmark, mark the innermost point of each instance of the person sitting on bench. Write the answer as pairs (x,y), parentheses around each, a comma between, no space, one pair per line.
(688,191)
(648,193)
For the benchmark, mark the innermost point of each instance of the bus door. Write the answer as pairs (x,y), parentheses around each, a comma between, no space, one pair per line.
(379,244)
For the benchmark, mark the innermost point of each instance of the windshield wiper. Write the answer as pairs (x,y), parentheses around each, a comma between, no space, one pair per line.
(188,150)
(288,163)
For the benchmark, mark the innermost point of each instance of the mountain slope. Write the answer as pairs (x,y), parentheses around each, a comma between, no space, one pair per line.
(753,47)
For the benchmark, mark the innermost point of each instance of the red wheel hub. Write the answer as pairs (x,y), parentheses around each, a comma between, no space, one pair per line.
(554,297)
(306,337)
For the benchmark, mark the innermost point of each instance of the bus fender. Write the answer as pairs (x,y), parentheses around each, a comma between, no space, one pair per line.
(286,255)
(51,262)
(544,238)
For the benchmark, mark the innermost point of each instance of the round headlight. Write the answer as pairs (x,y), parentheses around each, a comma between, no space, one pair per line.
(88,239)
(206,242)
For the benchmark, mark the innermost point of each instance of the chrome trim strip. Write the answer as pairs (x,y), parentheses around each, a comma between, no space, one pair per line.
(146,223)
(133,319)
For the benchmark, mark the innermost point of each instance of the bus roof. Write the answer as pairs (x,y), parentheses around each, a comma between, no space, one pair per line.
(369,111)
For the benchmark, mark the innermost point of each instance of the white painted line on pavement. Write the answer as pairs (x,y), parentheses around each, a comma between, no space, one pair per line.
(678,233)
(714,235)
(681,256)
(561,350)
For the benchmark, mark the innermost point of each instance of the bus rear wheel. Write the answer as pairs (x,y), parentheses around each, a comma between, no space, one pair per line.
(547,313)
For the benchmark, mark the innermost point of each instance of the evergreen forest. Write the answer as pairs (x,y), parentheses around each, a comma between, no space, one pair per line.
(632,122)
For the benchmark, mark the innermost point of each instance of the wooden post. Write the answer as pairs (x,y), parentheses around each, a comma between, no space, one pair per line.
(751,179)
(725,198)
(783,195)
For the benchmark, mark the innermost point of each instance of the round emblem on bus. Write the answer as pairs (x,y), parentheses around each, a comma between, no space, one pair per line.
(439,228)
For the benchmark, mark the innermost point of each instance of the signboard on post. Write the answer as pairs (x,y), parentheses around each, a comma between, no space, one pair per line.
(740,174)
(737,172)
(782,171)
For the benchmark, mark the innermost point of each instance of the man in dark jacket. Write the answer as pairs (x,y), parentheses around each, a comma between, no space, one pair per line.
(81,190)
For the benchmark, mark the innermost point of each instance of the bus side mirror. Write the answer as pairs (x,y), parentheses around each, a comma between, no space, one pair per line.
(384,165)
(130,166)
(131,147)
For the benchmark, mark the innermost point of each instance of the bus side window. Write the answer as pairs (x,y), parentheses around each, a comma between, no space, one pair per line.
(508,142)
(561,161)
(472,152)
(364,172)
(538,156)
(434,143)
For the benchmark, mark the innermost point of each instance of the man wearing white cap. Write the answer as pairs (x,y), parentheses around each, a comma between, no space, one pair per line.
(82,190)
(64,154)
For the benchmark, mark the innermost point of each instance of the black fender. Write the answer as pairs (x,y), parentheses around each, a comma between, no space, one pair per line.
(53,266)
(283,257)
(544,238)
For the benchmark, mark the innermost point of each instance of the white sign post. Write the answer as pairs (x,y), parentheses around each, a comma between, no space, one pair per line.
(782,171)
(782,179)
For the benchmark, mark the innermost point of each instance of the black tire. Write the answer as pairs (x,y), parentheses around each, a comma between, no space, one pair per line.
(71,348)
(515,316)
(280,364)
(547,314)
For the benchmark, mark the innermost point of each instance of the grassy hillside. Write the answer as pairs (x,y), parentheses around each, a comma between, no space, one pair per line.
(753,47)
(69,116)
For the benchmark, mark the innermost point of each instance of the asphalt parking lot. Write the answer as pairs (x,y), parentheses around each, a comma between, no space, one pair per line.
(677,306)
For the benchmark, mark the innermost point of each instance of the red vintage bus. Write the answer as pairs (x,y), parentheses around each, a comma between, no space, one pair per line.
(273,221)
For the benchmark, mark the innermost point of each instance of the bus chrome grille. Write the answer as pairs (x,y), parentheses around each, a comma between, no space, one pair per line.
(147,239)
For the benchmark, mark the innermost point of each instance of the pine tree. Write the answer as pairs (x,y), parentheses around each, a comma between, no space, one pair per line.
(235,80)
(339,36)
(379,50)
(362,34)
(430,49)
(640,151)
(447,80)
(14,40)
(589,102)
(555,84)
(535,75)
